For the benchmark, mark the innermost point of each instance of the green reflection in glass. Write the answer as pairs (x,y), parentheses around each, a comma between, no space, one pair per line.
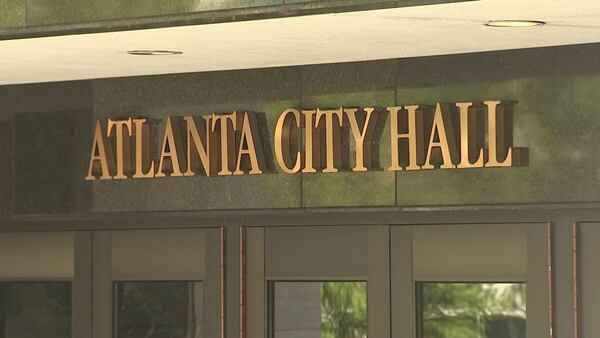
(343,310)
(319,309)
(35,309)
(158,309)
(472,310)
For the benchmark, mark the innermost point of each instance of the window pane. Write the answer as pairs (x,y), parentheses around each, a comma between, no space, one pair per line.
(472,310)
(319,310)
(158,309)
(35,309)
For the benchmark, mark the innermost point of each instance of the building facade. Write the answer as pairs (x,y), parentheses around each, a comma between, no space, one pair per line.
(195,205)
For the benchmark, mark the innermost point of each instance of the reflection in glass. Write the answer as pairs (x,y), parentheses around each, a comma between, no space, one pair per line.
(158,309)
(35,309)
(318,310)
(472,310)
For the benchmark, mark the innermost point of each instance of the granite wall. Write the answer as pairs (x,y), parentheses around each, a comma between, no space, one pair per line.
(46,134)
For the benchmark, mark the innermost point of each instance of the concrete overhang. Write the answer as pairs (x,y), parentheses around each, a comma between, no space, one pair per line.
(36,18)
(399,32)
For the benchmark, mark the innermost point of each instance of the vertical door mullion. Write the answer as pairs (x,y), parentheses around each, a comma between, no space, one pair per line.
(378,281)
(538,284)
(102,296)
(81,308)
(255,284)
(212,283)
(402,283)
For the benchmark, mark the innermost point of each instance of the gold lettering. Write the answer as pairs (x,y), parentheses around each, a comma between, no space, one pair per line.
(142,149)
(201,143)
(227,141)
(247,138)
(332,140)
(282,142)
(468,137)
(414,129)
(445,142)
(98,154)
(235,139)
(122,143)
(310,139)
(170,151)
(363,139)
(500,137)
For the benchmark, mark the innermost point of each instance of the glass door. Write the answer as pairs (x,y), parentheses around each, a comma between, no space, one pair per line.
(470,281)
(36,278)
(326,282)
(158,283)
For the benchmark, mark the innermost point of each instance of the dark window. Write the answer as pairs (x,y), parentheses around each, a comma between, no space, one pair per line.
(170,309)
(35,309)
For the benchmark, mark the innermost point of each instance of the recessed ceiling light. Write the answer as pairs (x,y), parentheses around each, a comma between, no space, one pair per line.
(153,52)
(514,23)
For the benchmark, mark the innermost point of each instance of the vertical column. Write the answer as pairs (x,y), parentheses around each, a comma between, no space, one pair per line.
(256,309)
(539,259)
(81,309)
(378,281)
(232,277)
(212,284)
(563,278)
(402,284)
(590,279)
(102,296)
(242,286)
(2,312)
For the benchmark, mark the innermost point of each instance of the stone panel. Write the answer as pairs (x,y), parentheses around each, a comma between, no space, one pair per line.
(54,96)
(50,147)
(556,118)
(41,12)
(206,5)
(263,91)
(44,12)
(48,162)
(12,13)
(6,167)
(6,149)
(369,84)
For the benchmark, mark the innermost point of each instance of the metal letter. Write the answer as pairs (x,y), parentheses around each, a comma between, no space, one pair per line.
(282,142)
(142,149)
(201,143)
(170,150)
(362,139)
(500,136)
(98,154)
(227,141)
(468,137)
(414,135)
(332,140)
(441,123)
(253,147)
(123,146)
(310,139)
